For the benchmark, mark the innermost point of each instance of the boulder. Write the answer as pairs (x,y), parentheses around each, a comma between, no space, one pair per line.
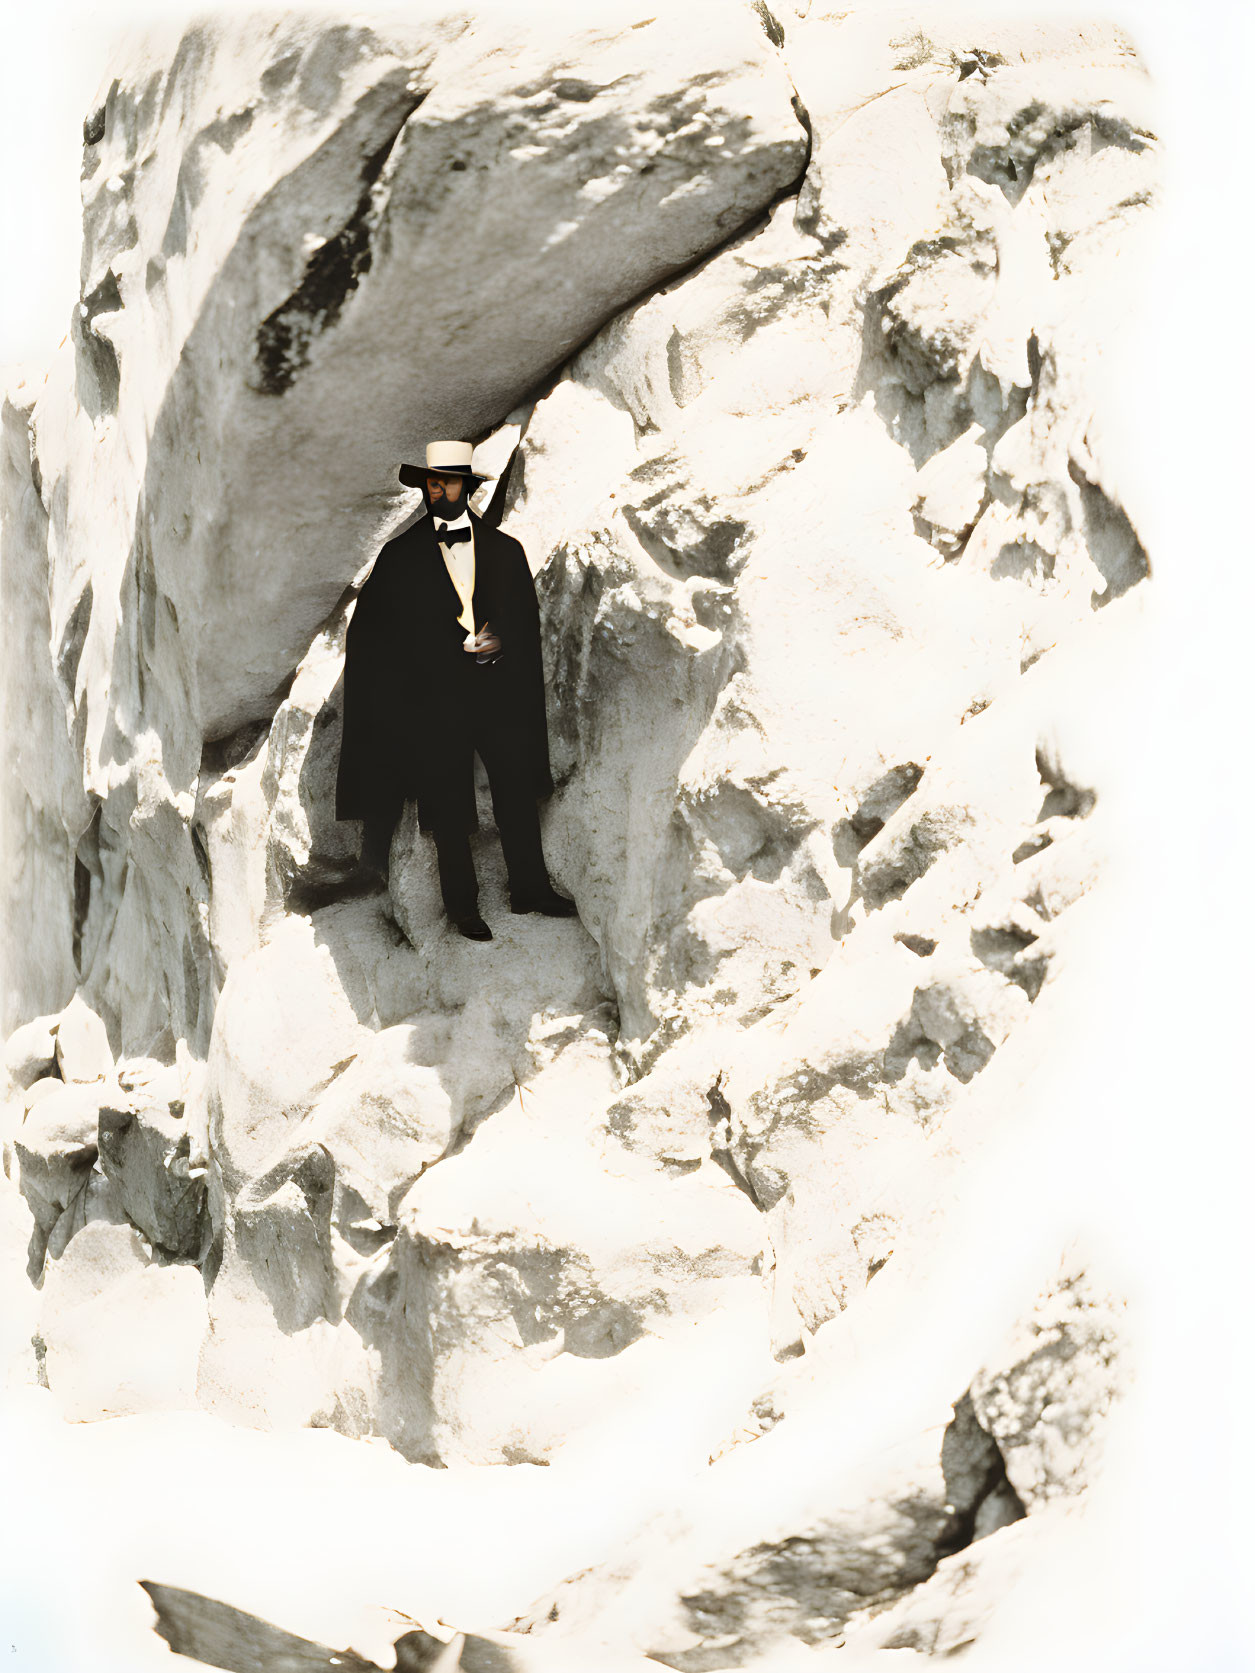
(383,1122)
(145,1151)
(284,1030)
(1045,1398)
(529,1262)
(121,1331)
(82,1044)
(99,1200)
(950,1610)
(31,1052)
(56,1148)
(306,847)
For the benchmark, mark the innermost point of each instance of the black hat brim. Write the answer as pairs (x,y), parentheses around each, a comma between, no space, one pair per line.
(414,476)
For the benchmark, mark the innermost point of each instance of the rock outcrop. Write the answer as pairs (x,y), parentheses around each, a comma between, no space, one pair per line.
(787,327)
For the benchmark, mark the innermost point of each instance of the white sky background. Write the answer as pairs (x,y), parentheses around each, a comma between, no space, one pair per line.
(1177,1017)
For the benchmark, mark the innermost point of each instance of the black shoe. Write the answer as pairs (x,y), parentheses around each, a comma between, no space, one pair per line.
(473,928)
(550,902)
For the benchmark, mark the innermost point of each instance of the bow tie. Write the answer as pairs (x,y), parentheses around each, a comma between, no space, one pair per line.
(447,535)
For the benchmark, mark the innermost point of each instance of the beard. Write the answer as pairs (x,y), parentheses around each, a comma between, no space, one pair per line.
(443,507)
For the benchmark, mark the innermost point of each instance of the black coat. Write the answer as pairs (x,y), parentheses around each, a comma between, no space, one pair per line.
(414,700)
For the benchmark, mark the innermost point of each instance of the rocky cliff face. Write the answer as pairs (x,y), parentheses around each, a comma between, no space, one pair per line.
(792,323)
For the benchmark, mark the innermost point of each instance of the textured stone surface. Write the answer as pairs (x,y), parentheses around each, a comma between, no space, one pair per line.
(56,1148)
(1059,1378)
(44,809)
(82,1044)
(892,1550)
(800,322)
(145,1151)
(31,1052)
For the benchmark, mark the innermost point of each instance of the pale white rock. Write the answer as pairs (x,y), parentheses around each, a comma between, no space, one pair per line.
(280,1225)
(795,1536)
(951,490)
(950,1609)
(1046,1398)
(310,1241)
(304,844)
(383,1121)
(538,1257)
(411,112)
(265,810)
(56,1148)
(40,1089)
(19,1249)
(31,1051)
(284,1030)
(1045,1401)
(44,809)
(121,1332)
(832,1100)
(146,1077)
(82,1044)
(232,814)
(671,364)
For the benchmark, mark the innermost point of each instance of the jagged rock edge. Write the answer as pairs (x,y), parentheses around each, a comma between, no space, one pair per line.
(546,382)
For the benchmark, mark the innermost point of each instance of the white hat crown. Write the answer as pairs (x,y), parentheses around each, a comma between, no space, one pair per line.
(449,455)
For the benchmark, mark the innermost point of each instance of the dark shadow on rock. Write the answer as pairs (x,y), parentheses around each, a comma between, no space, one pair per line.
(283,1236)
(219,1635)
(390,1309)
(1111,540)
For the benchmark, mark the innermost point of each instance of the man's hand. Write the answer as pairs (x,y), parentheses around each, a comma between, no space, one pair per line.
(485,642)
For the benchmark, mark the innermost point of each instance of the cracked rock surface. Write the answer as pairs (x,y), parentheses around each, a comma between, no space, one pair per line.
(786,329)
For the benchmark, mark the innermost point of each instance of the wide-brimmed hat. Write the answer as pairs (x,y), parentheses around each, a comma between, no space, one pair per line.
(450,458)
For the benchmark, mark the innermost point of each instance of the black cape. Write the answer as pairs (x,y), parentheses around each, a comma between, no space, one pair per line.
(414,700)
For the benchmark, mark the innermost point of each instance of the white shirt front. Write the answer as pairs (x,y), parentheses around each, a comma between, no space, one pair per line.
(459,560)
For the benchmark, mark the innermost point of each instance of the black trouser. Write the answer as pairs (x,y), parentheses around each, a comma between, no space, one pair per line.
(518,824)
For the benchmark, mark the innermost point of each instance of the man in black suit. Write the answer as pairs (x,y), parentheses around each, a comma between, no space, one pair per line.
(443,662)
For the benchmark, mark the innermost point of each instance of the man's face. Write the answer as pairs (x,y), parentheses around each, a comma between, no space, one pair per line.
(444,490)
